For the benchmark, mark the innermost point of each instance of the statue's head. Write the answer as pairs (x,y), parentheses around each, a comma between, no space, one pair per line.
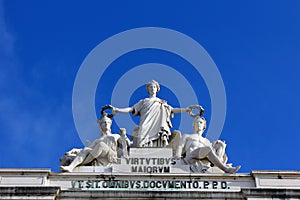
(199,124)
(104,123)
(152,84)
(122,131)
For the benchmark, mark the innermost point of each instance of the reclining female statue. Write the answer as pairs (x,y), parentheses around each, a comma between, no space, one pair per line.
(102,150)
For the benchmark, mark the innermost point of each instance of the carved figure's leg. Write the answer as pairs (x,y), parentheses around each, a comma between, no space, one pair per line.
(216,161)
(208,152)
(77,161)
(199,153)
(100,151)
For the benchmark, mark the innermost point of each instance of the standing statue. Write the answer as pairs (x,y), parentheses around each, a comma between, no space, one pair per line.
(103,151)
(197,150)
(123,144)
(155,117)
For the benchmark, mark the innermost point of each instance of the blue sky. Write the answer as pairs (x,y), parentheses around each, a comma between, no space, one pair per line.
(255,45)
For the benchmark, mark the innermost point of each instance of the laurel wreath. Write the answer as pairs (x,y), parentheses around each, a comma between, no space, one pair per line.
(103,113)
(201,111)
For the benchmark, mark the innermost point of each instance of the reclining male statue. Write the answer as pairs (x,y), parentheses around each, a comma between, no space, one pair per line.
(196,150)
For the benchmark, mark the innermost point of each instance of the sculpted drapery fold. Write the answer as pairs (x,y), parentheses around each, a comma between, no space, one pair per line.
(154,115)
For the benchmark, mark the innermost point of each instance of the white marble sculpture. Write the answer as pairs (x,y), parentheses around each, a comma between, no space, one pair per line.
(155,115)
(195,150)
(102,151)
(123,144)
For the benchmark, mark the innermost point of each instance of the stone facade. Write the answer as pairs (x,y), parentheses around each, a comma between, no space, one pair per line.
(147,173)
(44,184)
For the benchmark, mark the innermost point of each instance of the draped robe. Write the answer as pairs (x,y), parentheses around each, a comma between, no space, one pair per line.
(154,114)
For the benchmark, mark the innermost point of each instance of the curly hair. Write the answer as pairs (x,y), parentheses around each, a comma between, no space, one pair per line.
(199,118)
(104,118)
(152,82)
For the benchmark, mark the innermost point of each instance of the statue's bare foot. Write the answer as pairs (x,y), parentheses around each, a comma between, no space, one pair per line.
(233,170)
(65,168)
(229,164)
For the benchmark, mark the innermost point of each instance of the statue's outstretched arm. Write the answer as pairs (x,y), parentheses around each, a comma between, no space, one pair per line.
(189,110)
(122,110)
(181,110)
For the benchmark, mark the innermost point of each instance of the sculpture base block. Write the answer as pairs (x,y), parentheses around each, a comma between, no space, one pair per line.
(98,169)
(150,161)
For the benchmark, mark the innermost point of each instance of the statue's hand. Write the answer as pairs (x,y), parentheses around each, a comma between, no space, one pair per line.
(109,107)
(200,108)
(113,110)
(188,109)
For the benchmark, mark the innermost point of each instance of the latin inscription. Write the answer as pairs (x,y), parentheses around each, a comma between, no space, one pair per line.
(150,161)
(150,165)
(154,184)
